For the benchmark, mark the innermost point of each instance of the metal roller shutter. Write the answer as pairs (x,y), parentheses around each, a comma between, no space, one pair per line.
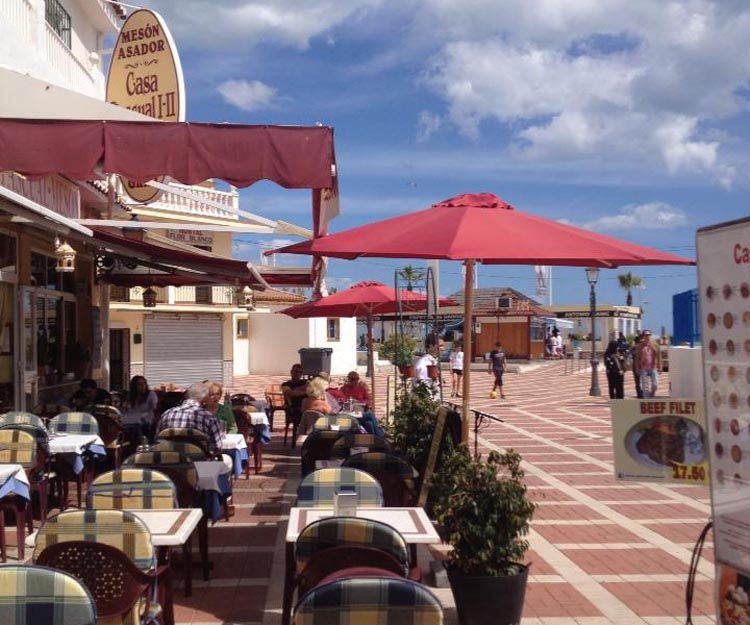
(182,348)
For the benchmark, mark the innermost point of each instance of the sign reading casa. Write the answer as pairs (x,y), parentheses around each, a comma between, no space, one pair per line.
(145,75)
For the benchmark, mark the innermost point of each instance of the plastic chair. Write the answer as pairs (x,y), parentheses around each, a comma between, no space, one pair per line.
(132,488)
(21,418)
(396,476)
(186,435)
(358,443)
(110,551)
(382,600)
(342,422)
(189,450)
(319,488)
(317,446)
(291,417)
(275,401)
(38,594)
(74,423)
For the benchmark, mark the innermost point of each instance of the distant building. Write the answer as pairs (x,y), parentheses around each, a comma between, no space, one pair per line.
(609,319)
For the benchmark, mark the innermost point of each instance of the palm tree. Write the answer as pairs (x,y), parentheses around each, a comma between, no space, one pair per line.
(628,281)
(411,275)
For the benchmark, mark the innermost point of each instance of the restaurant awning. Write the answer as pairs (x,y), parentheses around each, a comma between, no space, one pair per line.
(141,263)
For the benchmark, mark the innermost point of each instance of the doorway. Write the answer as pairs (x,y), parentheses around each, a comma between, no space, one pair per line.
(119,359)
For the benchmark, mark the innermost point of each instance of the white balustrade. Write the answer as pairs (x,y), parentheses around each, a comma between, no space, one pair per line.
(63,61)
(20,15)
(195,205)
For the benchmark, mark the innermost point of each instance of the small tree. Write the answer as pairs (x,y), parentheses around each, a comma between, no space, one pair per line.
(629,281)
(406,346)
(411,275)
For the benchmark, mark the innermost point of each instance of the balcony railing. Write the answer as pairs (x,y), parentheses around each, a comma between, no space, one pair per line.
(228,202)
(213,295)
(20,13)
(66,63)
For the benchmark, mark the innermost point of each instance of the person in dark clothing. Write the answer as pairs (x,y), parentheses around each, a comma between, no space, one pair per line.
(295,391)
(497,367)
(614,363)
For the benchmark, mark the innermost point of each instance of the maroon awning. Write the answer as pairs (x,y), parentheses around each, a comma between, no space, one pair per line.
(295,157)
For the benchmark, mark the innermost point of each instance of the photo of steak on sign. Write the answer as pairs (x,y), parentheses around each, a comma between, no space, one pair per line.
(145,75)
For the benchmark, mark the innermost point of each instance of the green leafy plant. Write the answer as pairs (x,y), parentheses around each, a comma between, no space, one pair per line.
(483,512)
(399,352)
(576,336)
(628,282)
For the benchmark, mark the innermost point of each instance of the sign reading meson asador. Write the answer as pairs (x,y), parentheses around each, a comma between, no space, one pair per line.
(145,75)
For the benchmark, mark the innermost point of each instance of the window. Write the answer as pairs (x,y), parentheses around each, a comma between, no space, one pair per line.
(7,255)
(58,19)
(332,329)
(44,275)
(242,328)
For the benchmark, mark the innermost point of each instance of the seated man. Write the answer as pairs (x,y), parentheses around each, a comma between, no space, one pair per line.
(295,391)
(195,412)
(89,395)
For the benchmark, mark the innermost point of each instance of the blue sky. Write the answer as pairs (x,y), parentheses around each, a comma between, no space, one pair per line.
(629,117)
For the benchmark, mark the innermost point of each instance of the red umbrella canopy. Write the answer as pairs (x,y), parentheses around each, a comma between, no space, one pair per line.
(361,300)
(485,228)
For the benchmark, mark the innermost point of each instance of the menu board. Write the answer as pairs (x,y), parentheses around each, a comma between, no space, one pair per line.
(660,440)
(724,292)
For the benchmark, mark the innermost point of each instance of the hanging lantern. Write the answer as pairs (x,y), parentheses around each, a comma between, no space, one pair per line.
(149,298)
(66,257)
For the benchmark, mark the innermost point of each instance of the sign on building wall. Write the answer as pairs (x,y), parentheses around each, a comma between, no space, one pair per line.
(145,75)
(660,440)
(191,237)
(52,192)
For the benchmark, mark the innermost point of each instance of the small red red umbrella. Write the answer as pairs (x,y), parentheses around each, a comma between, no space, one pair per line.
(364,299)
(482,228)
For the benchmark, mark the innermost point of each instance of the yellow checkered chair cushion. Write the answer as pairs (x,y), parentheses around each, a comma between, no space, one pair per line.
(167,459)
(133,489)
(189,450)
(198,435)
(36,595)
(318,489)
(343,422)
(342,448)
(21,418)
(74,423)
(17,447)
(369,600)
(351,531)
(396,476)
(118,528)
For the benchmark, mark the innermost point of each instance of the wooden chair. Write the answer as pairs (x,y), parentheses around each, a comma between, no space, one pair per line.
(189,450)
(275,401)
(110,551)
(38,594)
(382,600)
(74,423)
(252,439)
(186,435)
(111,433)
(319,488)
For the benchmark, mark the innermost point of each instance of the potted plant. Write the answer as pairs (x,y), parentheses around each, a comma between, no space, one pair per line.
(400,351)
(484,513)
(576,338)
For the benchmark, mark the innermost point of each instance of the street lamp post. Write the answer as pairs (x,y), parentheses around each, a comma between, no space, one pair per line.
(592,275)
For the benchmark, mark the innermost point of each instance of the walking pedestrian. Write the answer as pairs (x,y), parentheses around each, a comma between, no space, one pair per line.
(614,363)
(497,368)
(647,356)
(635,367)
(457,369)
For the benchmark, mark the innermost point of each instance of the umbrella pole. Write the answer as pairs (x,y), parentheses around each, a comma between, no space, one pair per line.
(468,327)
(371,360)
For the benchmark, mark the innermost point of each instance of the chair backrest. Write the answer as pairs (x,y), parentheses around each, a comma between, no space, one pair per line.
(358,443)
(308,420)
(131,488)
(176,467)
(106,410)
(330,532)
(381,600)
(21,418)
(343,422)
(37,594)
(317,446)
(186,435)
(190,450)
(75,423)
(244,426)
(110,429)
(318,489)
(396,476)
(118,528)
(274,396)
(18,447)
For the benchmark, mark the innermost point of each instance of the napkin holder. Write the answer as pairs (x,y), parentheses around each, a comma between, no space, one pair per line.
(345,504)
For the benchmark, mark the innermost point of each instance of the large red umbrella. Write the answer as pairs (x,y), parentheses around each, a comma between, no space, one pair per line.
(363,299)
(482,228)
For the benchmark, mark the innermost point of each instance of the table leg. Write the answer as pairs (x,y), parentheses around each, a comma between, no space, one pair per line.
(203,544)
(286,613)
(187,556)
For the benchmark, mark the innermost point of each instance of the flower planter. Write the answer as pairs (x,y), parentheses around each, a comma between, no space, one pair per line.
(482,600)
(406,370)
(433,372)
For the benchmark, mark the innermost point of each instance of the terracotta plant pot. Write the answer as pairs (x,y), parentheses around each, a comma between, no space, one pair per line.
(433,371)
(406,370)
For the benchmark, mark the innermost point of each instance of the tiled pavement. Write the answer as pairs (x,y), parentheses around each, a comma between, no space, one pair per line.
(602,552)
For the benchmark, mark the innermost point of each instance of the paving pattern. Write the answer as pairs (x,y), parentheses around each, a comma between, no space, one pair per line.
(602,552)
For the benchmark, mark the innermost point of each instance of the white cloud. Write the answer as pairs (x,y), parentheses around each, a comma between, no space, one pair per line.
(248,95)
(244,23)
(427,123)
(649,216)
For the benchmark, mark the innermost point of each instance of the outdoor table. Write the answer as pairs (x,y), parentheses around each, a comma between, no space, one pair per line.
(14,481)
(71,447)
(412,523)
(235,447)
(214,481)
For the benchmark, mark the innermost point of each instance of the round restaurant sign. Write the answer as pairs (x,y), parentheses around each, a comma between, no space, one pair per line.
(145,75)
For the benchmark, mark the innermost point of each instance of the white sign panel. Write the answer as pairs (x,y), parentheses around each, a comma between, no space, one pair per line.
(724,285)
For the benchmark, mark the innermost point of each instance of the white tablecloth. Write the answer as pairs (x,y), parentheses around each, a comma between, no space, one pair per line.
(233,441)
(209,473)
(72,443)
(258,418)
(15,471)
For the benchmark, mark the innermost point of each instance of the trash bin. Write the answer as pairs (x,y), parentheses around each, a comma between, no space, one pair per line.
(315,359)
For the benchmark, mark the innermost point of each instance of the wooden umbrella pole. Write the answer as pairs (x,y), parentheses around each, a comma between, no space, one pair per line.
(468,327)
(371,359)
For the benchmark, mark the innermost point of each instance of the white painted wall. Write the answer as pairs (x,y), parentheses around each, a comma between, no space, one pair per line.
(686,372)
(241,350)
(275,339)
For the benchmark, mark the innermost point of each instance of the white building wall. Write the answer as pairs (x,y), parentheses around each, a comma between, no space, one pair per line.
(241,350)
(275,339)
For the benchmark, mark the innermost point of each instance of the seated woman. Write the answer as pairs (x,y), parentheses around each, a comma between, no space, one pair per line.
(314,402)
(139,411)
